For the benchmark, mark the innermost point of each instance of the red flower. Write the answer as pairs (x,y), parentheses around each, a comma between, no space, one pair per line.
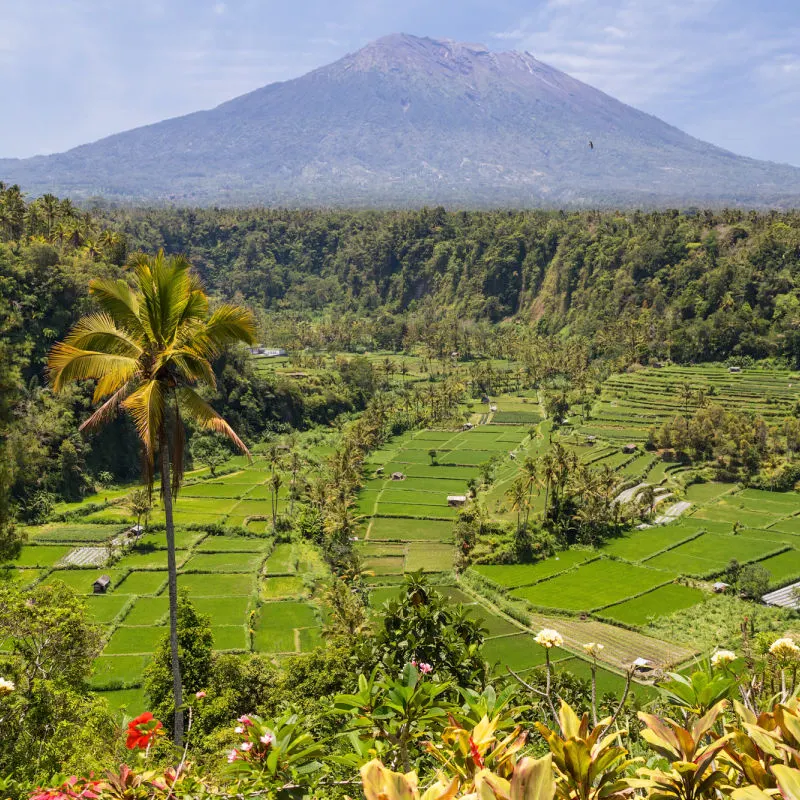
(477,758)
(142,730)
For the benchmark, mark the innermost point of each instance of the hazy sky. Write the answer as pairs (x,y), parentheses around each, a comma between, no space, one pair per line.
(72,71)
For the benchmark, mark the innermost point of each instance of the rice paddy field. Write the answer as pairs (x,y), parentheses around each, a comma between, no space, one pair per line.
(263,595)
(631,403)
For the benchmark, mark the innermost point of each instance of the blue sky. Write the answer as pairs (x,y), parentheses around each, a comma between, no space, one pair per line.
(72,71)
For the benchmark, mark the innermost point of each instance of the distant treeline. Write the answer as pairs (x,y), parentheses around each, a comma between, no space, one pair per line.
(691,286)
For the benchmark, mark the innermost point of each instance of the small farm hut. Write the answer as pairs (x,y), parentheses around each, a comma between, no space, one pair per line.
(101,585)
(398,476)
(629,448)
(456,499)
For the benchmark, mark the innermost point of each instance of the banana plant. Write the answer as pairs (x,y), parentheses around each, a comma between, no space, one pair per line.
(588,765)
(690,753)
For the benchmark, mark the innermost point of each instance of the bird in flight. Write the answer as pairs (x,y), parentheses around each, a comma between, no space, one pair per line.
(591,144)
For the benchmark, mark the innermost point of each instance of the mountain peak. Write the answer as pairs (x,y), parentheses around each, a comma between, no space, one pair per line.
(408,120)
(402,51)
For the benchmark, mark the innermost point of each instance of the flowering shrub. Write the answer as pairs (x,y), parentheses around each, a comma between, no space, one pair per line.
(142,730)
(548,638)
(72,788)
(272,751)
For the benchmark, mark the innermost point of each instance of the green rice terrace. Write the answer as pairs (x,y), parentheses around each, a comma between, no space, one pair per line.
(264,593)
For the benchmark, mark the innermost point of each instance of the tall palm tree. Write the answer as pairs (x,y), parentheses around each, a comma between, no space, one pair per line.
(146,348)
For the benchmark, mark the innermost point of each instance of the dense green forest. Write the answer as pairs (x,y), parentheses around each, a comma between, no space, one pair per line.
(624,287)
(691,286)
(522,363)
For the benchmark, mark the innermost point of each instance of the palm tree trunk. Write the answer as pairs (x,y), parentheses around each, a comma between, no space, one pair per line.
(172,579)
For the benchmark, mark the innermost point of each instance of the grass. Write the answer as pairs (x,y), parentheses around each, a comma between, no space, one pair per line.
(494,625)
(275,588)
(148,611)
(152,559)
(641,544)
(224,610)
(105,608)
(41,556)
(382,594)
(22,577)
(429,557)
(234,544)
(200,585)
(599,583)
(184,540)
(426,471)
(276,623)
(385,565)
(384,528)
(230,637)
(782,567)
(126,669)
(143,583)
(224,562)
(414,496)
(518,651)
(514,575)
(704,492)
(711,552)
(442,511)
(82,580)
(664,600)
(131,701)
(135,640)
(516,417)
(74,533)
(310,638)
(281,560)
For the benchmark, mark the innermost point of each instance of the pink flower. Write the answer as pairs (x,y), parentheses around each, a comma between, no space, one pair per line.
(267,739)
(414,663)
(232,756)
(247,746)
(425,668)
(200,695)
(238,729)
(245,720)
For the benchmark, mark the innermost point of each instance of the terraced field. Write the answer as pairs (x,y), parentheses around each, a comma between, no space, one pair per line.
(632,403)
(262,595)
(405,497)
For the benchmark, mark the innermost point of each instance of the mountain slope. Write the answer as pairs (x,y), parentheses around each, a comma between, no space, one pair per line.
(408,120)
